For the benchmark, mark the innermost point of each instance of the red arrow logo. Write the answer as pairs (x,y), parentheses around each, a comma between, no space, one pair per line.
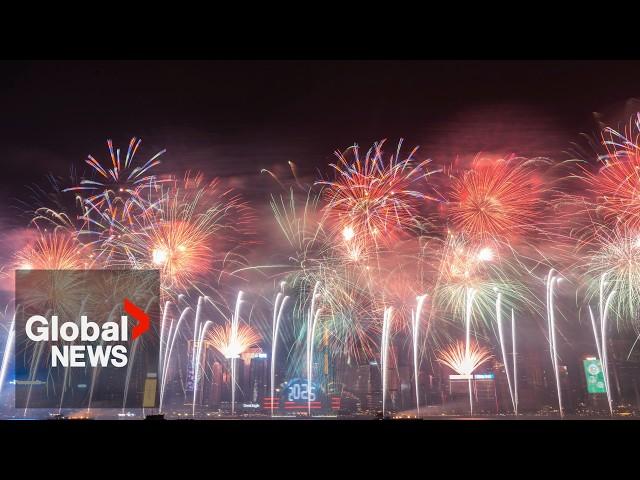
(136,312)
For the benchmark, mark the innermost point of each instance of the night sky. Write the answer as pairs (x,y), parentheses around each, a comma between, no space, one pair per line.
(236,117)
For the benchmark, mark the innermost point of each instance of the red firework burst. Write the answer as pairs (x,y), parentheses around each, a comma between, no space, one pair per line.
(374,199)
(616,185)
(500,198)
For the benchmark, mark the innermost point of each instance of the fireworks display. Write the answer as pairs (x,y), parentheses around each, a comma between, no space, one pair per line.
(117,191)
(500,198)
(462,359)
(53,251)
(188,232)
(382,261)
(232,344)
(615,256)
(616,184)
(374,198)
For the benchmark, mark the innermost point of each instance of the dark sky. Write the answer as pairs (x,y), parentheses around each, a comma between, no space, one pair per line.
(235,117)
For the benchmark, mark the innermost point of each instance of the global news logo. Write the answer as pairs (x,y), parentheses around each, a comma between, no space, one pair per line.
(110,335)
(87,338)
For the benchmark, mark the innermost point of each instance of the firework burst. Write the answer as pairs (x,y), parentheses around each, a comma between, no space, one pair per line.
(616,185)
(357,258)
(348,324)
(497,199)
(118,190)
(374,200)
(232,344)
(614,256)
(64,258)
(463,360)
(192,229)
(462,264)
(54,250)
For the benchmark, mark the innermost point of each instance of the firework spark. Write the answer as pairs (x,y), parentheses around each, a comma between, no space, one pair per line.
(615,255)
(231,344)
(374,199)
(118,189)
(318,258)
(53,251)
(463,360)
(464,264)
(616,185)
(194,227)
(500,199)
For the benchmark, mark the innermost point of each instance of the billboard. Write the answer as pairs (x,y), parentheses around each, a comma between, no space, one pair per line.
(297,394)
(594,375)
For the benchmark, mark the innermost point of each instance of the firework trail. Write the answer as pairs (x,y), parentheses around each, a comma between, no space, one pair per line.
(515,361)
(232,340)
(384,352)
(163,346)
(167,343)
(504,350)
(312,321)
(278,307)
(415,317)
(471,293)
(552,281)
(600,334)
(198,337)
(198,358)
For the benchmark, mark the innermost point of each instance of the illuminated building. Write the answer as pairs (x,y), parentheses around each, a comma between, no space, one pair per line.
(259,373)
(216,385)
(361,384)
(374,393)
(483,390)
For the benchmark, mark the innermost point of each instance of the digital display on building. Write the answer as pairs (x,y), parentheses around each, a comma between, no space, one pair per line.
(594,375)
(298,394)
